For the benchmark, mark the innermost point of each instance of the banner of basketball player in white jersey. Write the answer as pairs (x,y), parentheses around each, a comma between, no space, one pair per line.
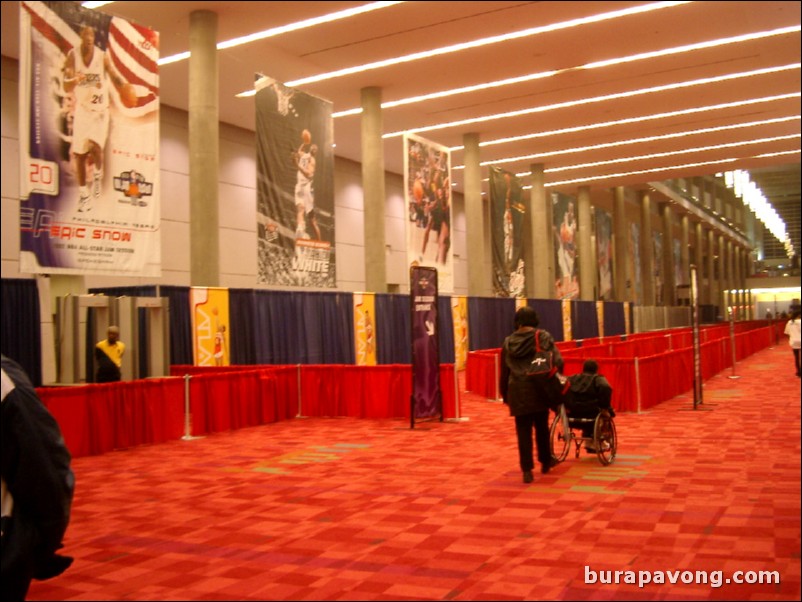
(427,173)
(295,186)
(565,235)
(89,143)
(507,212)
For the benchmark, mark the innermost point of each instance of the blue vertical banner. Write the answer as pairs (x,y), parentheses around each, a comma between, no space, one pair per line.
(427,399)
(89,143)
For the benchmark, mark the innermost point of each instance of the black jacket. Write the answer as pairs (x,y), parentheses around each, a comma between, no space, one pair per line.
(523,395)
(38,486)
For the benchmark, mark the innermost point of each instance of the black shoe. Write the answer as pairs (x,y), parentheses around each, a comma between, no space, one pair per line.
(545,468)
(528,478)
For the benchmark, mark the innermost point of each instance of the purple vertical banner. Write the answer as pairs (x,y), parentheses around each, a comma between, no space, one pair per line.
(426,399)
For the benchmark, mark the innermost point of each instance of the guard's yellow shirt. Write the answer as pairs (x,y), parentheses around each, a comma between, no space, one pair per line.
(115,351)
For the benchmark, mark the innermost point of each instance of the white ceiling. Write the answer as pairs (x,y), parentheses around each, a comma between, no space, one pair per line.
(419,26)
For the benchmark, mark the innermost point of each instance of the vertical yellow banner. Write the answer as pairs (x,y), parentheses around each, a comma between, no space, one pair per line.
(567,330)
(600,316)
(459,314)
(364,326)
(210,323)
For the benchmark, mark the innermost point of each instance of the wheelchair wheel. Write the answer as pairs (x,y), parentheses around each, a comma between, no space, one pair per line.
(560,437)
(605,439)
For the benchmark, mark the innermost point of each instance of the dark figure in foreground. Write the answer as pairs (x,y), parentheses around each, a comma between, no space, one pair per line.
(527,399)
(37,486)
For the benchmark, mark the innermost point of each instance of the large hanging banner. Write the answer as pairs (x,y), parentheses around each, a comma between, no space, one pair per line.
(365,331)
(210,326)
(89,143)
(427,398)
(659,281)
(427,173)
(634,263)
(295,187)
(565,247)
(604,254)
(507,212)
(459,317)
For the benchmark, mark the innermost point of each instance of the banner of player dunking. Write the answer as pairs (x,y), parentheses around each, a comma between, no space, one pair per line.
(295,186)
(427,397)
(210,321)
(89,143)
(364,328)
(507,212)
(427,173)
(565,246)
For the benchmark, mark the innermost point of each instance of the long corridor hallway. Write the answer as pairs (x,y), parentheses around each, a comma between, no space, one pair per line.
(349,509)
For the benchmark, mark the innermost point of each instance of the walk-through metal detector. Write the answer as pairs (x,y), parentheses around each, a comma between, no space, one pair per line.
(146,335)
(74,324)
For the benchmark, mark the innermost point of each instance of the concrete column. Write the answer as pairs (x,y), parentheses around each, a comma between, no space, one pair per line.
(587,267)
(478,281)
(737,274)
(684,250)
(669,286)
(204,150)
(712,281)
(373,189)
(623,279)
(727,279)
(541,270)
(647,249)
(698,261)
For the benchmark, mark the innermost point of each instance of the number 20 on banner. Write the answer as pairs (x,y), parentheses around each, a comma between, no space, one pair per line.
(42,176)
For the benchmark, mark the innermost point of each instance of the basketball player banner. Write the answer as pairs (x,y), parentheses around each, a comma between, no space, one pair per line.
(89,143)
(427,397)
(210,321)
(295,186)
(427,173)
(507,222)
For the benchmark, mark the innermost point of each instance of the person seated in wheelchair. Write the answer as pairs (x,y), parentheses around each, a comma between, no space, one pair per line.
(590,393)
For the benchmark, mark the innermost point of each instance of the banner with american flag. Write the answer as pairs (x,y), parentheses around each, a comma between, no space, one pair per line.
(89,143)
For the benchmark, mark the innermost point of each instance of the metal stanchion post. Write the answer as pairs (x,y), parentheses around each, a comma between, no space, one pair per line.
(187,414)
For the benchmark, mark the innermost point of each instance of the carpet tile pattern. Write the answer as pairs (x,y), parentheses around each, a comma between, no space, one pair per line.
(350,509)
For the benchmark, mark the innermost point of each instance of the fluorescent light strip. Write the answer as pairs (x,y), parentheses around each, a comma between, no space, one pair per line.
(616,61)
(483,42)
(698,149)
(275,31)
(595,99)
(581,149)
(593,126)
(654,170)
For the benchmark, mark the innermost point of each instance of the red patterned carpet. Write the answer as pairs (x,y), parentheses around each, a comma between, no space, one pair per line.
(348,509)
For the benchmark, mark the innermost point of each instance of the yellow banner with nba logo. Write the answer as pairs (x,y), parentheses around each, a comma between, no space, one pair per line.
(459,315)
(210,326)
(365,329)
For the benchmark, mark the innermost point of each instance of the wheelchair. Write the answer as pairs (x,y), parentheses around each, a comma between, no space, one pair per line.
(604,440)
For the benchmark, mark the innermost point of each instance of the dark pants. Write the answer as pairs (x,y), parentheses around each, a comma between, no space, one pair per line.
(796,359)
(539,421)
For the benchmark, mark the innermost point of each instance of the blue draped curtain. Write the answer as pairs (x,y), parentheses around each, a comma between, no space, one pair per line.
(180,324)
(242,326)
(550,312)
(446,330)
(393,329)
(584,319)
(20,338)
(287,327)
(614,319)
(490,320)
